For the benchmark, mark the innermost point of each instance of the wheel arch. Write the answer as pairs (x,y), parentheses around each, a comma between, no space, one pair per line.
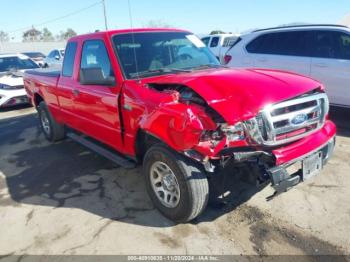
(37,99)
(144,140)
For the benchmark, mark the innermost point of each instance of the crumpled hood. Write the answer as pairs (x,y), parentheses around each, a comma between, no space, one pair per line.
(239,94)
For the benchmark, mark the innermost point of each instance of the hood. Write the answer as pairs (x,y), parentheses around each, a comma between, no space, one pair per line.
(12,79)
(239,94)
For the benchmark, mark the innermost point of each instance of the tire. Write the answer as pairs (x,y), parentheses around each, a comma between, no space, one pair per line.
(52,130)
(190,180)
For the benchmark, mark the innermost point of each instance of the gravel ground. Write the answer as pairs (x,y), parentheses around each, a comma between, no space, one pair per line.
(63,199)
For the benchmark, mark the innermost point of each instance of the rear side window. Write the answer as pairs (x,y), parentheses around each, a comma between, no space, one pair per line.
(94,55)
(214,41)
(68,62)
(229,41)
(331,44)
(206,40)
(294,43)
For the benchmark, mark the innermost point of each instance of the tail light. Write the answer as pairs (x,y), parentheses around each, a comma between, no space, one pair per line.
(227,59)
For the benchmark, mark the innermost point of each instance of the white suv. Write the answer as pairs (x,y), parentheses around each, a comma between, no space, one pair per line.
(319,51)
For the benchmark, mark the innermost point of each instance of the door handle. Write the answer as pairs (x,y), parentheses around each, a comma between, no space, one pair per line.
(76,92)
(321,65)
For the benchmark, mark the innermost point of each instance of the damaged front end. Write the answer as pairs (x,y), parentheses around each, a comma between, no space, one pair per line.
(200,132)
(272,141)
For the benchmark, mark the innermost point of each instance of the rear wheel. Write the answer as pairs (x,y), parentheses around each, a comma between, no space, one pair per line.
(51,129)
(177,186)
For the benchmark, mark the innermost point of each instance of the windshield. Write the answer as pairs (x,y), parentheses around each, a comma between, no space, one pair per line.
(16,63)
(161,52)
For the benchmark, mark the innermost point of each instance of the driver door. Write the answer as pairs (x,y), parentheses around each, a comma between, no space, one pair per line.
(96,104)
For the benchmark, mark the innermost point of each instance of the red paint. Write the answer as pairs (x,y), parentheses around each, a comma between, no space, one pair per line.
(236,94)
(305,145)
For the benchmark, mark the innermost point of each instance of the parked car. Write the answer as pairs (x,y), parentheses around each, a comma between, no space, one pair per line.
(219,44)
(131,96)
(12,90)
(54,58)
(37,57)
(319,51)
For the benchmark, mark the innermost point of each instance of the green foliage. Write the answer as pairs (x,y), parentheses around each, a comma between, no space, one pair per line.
(64,35)
(46,35)
(215,32)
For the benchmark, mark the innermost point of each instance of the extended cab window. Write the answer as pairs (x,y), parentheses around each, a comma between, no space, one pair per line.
(68,63)
(94,55)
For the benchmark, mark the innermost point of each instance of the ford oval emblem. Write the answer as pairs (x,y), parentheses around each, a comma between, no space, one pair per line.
(299,119)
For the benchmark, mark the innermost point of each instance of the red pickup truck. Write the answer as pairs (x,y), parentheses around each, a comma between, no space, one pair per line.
(159,97)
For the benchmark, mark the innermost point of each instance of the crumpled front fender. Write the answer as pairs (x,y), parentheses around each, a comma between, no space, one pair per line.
(178,125)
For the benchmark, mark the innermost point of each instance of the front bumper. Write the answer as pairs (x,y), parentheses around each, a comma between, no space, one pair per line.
(303,147)
(282,180)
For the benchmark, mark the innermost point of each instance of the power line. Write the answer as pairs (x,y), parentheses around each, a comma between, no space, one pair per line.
(104,13)
(58,18)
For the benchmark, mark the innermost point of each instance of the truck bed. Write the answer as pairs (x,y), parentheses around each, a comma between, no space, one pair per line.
(40,81)
(46,72)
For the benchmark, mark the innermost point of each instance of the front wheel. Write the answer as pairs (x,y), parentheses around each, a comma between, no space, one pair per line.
(177,186)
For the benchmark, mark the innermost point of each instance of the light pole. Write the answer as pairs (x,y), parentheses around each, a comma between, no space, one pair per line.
(104,13)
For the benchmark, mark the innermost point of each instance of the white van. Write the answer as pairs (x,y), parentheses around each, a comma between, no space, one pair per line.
(219,44)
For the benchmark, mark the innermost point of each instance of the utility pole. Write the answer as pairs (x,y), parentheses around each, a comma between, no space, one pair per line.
(104,13)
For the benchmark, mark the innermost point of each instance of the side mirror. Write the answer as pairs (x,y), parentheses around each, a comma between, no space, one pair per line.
(57,57)
(94,76)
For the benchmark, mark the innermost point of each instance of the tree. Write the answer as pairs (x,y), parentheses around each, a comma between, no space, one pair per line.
(64,35)
(31,35)
(4,37)
(46,35)
(215,32)
(69,33)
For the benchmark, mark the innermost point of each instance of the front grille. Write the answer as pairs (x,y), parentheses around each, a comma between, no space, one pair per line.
(289,121)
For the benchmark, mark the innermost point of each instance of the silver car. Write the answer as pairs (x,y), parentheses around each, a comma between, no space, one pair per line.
(54,58)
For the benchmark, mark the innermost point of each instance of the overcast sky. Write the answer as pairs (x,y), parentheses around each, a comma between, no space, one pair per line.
(199,16)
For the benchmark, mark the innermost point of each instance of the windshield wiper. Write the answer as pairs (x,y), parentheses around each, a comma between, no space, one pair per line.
(208,66)
(159,70)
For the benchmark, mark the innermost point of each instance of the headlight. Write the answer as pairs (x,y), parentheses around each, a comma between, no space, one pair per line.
(234,133)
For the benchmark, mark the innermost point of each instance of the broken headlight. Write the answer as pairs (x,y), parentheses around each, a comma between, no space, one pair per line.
(233,133)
